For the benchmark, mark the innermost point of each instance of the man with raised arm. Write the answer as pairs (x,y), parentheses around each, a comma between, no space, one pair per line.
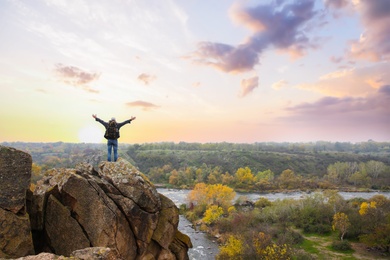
(112,134)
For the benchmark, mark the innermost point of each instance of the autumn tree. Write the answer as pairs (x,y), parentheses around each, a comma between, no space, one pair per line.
(376,217)
(375,212)
(199,176)
(232,249)
(174,178)
(215,176)
(288,180)
(198,195)
(244,177)
(212,214)
(341,223)
(366,207)
(227,179)
(268,250)
(221,195)
(189,175)
(207,195)
(370,215)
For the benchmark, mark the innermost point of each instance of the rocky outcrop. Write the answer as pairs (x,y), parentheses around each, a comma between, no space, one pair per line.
(15,231)
(101,253)
(115,207)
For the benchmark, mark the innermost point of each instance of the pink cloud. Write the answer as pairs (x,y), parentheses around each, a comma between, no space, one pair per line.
(142,104)
(279,25)
(354,113)
(248,85)
(146,78)
(374,44)
(76,77)
(337,3)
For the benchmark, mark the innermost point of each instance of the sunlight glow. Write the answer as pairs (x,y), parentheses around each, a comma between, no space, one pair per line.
(91,134)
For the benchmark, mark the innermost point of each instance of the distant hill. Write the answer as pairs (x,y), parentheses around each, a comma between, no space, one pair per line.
(303,158)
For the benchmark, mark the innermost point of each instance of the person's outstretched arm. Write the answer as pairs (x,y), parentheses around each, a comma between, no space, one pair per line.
(126,122)
(100,121)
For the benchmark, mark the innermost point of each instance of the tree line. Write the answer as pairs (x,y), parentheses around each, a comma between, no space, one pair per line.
(185,164)
(372,175)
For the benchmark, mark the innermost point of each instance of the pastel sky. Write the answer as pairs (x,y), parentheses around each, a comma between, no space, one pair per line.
(195,71)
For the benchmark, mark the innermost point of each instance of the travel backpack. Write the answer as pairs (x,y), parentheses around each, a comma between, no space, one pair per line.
(112,131)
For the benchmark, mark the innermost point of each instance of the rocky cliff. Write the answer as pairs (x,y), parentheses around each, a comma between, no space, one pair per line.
(112,212)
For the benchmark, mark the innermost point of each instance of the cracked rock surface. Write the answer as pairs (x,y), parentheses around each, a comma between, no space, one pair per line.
(114,207)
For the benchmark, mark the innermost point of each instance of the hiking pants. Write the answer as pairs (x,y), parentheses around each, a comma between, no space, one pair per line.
(112,144)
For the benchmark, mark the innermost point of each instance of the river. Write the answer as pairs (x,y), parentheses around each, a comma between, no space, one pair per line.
(204,246)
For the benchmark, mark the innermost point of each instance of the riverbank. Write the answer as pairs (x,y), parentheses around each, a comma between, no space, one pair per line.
(179,196)
(308,191)
(206,246)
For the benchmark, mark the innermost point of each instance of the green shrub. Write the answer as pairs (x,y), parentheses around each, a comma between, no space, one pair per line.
(290,237)
(182,209)
(317,229)
(341,245)
(224,225)
(191,216)
(262,202)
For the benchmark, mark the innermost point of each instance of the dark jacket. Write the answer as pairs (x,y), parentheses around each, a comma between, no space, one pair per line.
(118,125)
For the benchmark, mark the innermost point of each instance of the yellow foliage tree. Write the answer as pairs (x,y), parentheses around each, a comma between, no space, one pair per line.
(244,177)
(365,207)
(232,210)
(212,214)
(174,178)
(227,179)
(267,250)
(216,194)
(198,194)
(341,223)
(233,249)
(220,195)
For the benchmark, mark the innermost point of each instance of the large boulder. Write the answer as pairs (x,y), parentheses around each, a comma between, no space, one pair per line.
(167,223)
(15,230)
(15,177)
(116,207)
(132,184)
(70,233)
